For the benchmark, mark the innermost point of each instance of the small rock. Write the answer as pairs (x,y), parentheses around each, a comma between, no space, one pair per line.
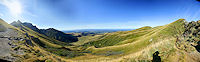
(150,40)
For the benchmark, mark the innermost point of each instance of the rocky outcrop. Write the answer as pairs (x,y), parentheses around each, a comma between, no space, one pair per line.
(6,44)
(192,31)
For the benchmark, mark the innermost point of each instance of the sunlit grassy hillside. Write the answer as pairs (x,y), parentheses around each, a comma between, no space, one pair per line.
(171,41)
(138,44)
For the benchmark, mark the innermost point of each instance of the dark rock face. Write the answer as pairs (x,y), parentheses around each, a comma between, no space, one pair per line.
(198,47)
(192,34)
(28,41)
(36,40)
(58,35)
(51,32)
(1,60)
(192,29)
(29,25)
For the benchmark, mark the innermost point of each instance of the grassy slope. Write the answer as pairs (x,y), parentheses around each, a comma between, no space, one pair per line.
(36,52)
(43,38)
(8,25)
(111,39)
(138,44)
(51,45)
(86,39)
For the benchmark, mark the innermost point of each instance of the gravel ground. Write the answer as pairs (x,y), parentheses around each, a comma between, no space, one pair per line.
(6,44)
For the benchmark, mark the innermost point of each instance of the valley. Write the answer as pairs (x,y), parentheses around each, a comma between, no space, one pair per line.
(174,42)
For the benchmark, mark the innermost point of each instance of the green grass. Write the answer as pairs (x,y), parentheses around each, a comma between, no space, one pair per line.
(44,39)
(43,44)
(111,39)
(64,53)
(121,46)
(85,39)
(51,45)
(137,41)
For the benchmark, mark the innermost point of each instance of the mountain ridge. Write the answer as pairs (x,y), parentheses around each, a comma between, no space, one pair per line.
(50,32)
(174,42)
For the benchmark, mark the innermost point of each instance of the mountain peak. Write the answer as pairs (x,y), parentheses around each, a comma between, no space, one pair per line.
(50,32)
(19,22)
(51,29)
(16,23)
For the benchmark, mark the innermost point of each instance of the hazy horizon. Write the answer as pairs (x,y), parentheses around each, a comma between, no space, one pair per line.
(100,30)
(96,29)
(98,14)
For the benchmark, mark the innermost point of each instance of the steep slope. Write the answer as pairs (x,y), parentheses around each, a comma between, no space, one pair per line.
(9,35)
(25,45)
(58,35)
(175,42)
(29,25)
(162,39)
(2,28)
(50,45)
(52,33)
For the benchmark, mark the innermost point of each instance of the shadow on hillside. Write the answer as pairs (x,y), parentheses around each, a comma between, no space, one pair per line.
(198,46)
(156,58)
(1,60)
(37,41)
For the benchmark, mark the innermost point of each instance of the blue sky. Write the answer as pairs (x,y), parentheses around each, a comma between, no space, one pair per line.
(98,14)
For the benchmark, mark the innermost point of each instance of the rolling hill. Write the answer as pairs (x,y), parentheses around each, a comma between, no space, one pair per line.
(175,42)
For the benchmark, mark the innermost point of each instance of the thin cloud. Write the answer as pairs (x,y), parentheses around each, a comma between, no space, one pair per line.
(14,6)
